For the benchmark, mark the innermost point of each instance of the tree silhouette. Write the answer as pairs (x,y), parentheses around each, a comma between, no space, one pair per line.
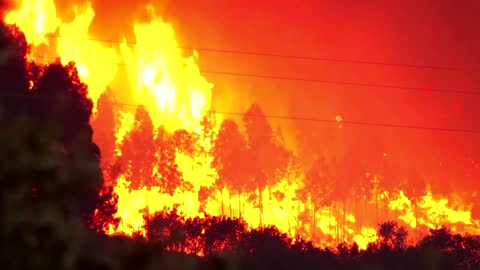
(104,126)
(266,240)
(185,141)
(168,229)
(138,156)
(392,236)
(13,70)
(261,244)
(104,215)
(50,173)
(318,189)
(195,231)
(221,234)
(441,239)
(270,160)
(168,176)
(452,250)
(232,161)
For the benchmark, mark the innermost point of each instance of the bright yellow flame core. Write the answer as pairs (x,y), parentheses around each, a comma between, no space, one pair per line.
(36,18)
(172,85)
(95,62)
(177,96)
(429,211)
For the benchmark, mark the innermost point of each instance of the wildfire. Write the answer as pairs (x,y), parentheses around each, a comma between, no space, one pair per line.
(36,19)
(158,72)
(165,156)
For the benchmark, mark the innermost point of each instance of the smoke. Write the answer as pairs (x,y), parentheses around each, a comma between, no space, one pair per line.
(440,158)
(4,7)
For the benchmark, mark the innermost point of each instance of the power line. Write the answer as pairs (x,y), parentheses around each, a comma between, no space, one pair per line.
(287,78)
(373,124)
(338,60)
(302,57)
(293,118)
(474,92)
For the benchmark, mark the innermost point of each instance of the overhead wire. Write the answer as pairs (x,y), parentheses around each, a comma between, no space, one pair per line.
(286,117)
(315,80)
(301,57)
(474,92)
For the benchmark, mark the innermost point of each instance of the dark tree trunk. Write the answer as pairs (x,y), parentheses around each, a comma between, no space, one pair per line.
(260,202)
(223,212)
(239,205)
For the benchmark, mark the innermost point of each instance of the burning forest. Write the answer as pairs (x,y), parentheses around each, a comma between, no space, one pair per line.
(169,166)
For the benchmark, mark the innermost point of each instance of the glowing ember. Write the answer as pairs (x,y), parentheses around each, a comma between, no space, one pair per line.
(339,119)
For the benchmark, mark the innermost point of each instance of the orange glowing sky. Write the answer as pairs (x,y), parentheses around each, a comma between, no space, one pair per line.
(436,33)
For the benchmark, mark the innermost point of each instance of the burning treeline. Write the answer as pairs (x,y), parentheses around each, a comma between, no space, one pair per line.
(164,147)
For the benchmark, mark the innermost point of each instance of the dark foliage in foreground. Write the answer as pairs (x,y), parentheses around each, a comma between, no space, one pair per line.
(47,109)
(50,181)
(267,248)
